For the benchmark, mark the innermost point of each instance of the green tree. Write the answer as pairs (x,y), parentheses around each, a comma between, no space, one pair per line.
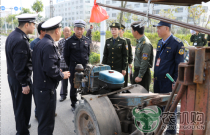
(169,13)
(195,13)
(25,10)
(123,5)
(37,6)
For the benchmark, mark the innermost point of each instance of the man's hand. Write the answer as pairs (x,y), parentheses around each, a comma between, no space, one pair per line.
(26,90)
(130,66)
(61,70)
(124,72)
(66,74)
(137,79)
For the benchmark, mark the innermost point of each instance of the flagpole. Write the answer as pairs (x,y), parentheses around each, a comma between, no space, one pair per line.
(102,36)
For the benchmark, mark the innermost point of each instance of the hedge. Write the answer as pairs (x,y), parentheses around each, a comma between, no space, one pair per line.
(152,36)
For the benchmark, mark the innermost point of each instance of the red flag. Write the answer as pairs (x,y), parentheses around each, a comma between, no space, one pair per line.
(98,14)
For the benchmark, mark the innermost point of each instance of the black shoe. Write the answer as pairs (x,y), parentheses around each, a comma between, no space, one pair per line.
(73,108)
(29,125)
(62,99)
(56,114)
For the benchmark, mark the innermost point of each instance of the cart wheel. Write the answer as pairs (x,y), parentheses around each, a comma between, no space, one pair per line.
(84,120)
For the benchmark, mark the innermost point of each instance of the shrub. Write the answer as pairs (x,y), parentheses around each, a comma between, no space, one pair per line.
(94,58)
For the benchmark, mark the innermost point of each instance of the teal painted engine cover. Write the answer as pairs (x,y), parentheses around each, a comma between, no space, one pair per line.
(111,77)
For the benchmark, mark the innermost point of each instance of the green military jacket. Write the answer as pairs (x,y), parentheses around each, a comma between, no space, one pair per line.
(130,54)
(143,55)
(198,40)
(116,54)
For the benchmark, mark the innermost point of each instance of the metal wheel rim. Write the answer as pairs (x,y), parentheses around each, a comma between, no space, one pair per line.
(85,124)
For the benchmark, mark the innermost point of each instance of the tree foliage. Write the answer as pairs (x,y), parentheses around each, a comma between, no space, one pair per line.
(37,6)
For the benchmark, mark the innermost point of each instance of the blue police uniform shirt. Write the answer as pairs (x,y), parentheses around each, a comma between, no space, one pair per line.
(171,54)
(77,51)
(166,39)
(34,42)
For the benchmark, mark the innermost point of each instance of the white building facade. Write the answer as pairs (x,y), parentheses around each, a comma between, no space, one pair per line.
(72,10)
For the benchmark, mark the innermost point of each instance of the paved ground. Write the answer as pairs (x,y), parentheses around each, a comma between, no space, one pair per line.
(63,122)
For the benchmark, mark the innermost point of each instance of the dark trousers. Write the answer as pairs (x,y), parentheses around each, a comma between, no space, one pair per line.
(165,86)
(146,80)
(73,91)
(172,122)
(64,85)
(126,78)
(45,104)
(21,105)
(208,44)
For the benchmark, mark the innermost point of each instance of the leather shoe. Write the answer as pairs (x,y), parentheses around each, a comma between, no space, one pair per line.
(73,108)
(62,99)
(29,125)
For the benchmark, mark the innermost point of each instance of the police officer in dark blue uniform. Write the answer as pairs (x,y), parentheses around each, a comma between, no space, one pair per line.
(46,75)
(19,69)
(76,51)
(169,54)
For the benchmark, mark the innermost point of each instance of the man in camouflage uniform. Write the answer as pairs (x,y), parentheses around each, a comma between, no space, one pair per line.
(130,54)
(116,51)
(198,39)
(143,59)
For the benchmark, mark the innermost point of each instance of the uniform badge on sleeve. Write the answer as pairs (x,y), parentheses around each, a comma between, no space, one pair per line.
(127,47)
(181,51)
(145,56)
(144,42)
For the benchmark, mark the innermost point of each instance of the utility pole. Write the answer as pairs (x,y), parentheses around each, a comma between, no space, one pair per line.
(51,8)
(103,36)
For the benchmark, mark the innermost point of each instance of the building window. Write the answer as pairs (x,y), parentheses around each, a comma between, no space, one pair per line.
(156,4)
(81,1)
(179,10)
(81,6)
(137,5)
(87,12)
(81,12)
(87,1)
(72,18)
(179,18)
(107,2)
(114,2)
(145,4)
(107,9)
(129,6)
(72,3)
(156,11)
(114,15)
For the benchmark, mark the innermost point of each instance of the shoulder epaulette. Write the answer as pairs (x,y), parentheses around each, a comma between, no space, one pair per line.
(177,39)
(68,38)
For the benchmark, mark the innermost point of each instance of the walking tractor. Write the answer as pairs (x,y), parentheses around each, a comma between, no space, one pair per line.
(108,108)
(104,109)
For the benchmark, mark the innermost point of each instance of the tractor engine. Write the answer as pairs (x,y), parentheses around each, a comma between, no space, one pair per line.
(98,79)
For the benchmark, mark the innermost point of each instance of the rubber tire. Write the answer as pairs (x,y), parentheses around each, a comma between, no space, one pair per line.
(84,105)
